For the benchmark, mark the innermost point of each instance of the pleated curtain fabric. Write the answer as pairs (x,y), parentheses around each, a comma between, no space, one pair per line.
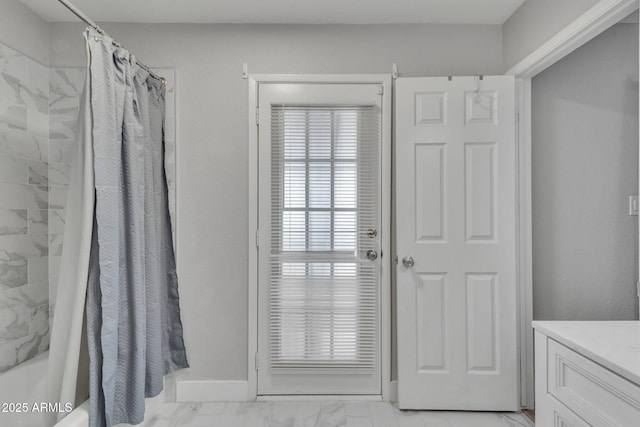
(134,329)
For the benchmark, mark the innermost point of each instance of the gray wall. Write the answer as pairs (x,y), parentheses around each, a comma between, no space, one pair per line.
(585,165)
(535,22)
(212,137)
(24,31)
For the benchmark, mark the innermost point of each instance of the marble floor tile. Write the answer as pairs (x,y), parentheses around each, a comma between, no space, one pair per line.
(231,416)
(258,414)
(382,414)
(515,420)
(283,414)
(332,414)
(322,414)
(212,408)
(307,414)
(359,421)
(357,409)
(183,414)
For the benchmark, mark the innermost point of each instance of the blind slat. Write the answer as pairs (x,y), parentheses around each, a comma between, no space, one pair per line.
(323,296)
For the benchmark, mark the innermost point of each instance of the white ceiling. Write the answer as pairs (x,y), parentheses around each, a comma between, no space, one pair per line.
(284,11)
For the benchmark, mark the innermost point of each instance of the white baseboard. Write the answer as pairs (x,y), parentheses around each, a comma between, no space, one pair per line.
(211,391)
(192,390)
(393,391)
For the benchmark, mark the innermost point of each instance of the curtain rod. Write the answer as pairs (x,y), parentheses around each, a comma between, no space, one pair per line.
(89,21)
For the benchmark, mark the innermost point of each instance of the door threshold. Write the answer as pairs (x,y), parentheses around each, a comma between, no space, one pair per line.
(319,397)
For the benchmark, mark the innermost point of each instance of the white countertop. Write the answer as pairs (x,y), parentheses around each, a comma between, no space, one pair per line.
(613,344)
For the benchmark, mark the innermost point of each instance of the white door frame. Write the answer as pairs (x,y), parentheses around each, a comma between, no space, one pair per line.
(385,310)
(594,21)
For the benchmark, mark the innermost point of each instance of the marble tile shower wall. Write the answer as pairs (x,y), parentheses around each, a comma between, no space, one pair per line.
(24,205)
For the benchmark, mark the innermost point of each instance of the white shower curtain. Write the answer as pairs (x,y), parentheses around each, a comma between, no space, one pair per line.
(66,330)
(124,260)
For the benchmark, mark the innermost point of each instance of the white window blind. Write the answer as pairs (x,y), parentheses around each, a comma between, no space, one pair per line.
(323,295)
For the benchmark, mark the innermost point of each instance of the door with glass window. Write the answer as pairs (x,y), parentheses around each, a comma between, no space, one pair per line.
(319,233)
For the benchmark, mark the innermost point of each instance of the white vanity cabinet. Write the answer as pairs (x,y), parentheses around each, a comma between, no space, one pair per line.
(587,373)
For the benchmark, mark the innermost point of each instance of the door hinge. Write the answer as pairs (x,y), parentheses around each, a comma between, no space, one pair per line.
(380,90)
(638,288)
(257,115)
(257,238)
(257,361)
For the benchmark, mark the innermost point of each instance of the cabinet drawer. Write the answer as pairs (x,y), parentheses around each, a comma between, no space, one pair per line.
(563,417)
(594,393)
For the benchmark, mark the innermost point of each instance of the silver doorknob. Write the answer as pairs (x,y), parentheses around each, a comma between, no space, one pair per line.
(372,255)
(407,261)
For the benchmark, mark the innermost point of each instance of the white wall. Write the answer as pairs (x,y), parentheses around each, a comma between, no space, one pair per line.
(585,165)
(24,31)
(213,137)
(535,22)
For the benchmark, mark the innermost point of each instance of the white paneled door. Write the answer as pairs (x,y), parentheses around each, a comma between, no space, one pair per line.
(319,238)
(456,243)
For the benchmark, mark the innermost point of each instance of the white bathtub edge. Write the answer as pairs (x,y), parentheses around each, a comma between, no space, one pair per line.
(76,418)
